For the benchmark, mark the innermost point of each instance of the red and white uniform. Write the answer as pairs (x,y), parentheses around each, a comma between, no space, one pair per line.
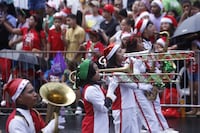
(96,119)
(28,122)
(149,112)
(124,110)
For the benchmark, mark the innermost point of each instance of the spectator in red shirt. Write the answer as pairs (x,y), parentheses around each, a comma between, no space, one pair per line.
(33,37)
(55,36)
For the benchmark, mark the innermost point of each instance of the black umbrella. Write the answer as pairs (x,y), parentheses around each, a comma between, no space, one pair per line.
(188,26)
(19,56)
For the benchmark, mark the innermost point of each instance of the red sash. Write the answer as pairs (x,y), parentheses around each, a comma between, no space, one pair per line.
(37,120)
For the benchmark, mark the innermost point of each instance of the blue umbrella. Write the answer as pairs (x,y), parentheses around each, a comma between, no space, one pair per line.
(188,26)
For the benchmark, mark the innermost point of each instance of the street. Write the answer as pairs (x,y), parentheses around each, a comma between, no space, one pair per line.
(73,124)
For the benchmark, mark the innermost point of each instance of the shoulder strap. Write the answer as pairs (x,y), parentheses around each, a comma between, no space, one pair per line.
(20,114)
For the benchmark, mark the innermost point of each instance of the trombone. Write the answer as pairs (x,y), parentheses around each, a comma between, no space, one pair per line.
(128,68)
(125,75)
(166,55)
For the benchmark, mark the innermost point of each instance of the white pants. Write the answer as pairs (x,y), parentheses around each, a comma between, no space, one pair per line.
(146,113)
(125,121)
(156,105)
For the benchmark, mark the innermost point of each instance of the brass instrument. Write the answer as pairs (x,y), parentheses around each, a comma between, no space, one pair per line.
(167,40)
(151,95)
(57,95)
(127,69)
(146,52)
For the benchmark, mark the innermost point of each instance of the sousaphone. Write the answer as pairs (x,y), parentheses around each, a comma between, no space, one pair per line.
(57,95)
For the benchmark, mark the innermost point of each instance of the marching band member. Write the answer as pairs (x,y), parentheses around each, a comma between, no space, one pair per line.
(124,110)
(146,113)
(25,119)
(96,104)
(149,111)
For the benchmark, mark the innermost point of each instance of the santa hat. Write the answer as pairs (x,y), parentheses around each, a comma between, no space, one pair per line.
(144,14)
(66,11)
(58,15)
(157,2)
(14,88)
(162,41)
(169,19)
(110,50)
(125,34)
(140,26)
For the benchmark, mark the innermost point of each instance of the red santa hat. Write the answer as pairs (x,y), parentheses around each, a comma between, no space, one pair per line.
(162,41)
(110,50)
(66,11)
(140,26)
(144,14)
(58,15)
(14,88)
(169,19)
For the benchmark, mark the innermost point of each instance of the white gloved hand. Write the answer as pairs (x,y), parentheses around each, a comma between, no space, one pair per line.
(130,85)
(107,79)
(111,88)
(50,127)
(139,66)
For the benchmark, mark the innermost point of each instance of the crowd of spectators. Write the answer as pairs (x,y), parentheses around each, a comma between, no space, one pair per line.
(76,26)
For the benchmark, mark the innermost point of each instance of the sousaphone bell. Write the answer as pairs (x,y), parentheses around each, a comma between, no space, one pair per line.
(56,95)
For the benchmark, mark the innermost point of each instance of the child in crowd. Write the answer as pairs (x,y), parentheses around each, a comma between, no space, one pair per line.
(93,45)
(55,36)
